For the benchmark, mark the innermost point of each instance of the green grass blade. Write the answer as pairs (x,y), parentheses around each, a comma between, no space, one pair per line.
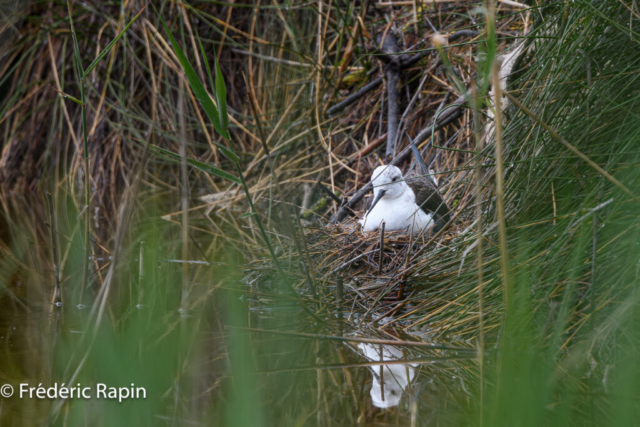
(206,63)
(111,45)
(224,118)
(201,166)
(201,93)
(76,48)
(491,46)
(221,97)
(69,97)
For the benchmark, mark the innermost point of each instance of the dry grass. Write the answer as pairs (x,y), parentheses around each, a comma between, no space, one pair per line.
(133,99)
(572,280)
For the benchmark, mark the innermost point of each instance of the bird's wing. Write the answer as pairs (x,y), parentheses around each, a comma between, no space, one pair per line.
(419,161)
(427,195)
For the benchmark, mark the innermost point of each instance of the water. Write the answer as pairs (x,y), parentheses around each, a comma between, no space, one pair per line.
(290,377)
(202,349)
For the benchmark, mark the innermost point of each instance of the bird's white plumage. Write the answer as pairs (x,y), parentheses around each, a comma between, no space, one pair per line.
(395,377)
(397,206)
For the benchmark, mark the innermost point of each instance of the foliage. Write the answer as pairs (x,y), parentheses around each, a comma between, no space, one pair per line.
(181,293)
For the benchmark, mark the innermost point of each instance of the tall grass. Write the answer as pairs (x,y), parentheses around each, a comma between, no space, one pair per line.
(550,203)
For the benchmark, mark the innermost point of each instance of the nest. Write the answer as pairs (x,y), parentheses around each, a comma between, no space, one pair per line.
(352,269)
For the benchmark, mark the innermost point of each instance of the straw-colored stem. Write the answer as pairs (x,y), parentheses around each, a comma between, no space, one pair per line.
(54,249)
(381,248)
(504,261)
(87,195)
(184,173)
(479,231)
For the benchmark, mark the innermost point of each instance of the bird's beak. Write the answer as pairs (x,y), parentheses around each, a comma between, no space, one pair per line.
(377,199)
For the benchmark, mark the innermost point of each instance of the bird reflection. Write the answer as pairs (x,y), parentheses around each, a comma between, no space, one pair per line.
(389,381)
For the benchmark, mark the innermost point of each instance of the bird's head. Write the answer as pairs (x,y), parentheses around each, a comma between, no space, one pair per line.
(387,182)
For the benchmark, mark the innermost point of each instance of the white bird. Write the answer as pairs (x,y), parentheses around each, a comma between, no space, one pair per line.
(395,377)
(411,203)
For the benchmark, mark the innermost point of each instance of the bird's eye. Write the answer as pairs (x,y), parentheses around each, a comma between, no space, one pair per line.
(394,179)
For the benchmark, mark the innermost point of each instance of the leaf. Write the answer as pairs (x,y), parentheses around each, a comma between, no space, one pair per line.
(221,100)
(219,89)
(201,166)
(221,97)
(491,49)
(247,214)
(76,49)
(69,97)
(206,62)
(202,95)
(110,46)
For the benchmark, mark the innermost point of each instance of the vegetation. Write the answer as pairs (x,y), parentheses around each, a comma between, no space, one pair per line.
(169,174)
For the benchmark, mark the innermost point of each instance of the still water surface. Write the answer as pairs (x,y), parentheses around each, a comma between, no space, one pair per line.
(298,379)
(215,362)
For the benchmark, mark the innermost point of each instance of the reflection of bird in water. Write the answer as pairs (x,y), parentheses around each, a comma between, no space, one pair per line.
(389,381)
(412,202)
